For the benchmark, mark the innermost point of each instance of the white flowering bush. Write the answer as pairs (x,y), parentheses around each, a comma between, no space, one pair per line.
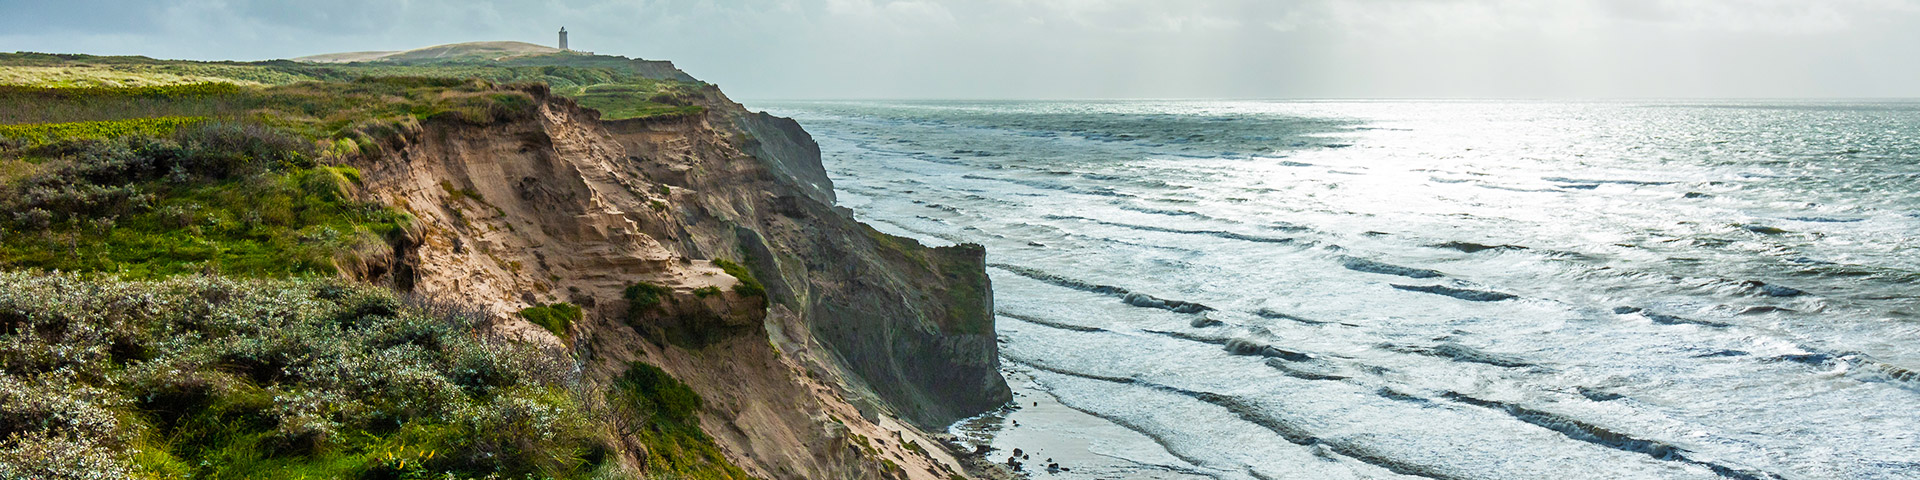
(209,377)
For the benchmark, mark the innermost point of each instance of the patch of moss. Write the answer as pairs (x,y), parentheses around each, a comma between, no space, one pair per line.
(557,318)
(663,414)
(458,194)
(707,291)
(748,285)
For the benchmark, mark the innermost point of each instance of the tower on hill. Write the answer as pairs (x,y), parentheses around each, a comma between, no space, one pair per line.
(563,38)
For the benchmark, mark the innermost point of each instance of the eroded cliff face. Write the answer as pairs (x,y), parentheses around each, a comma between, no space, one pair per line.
(857,328)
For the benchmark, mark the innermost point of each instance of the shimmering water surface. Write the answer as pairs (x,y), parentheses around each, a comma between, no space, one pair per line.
(1251,290)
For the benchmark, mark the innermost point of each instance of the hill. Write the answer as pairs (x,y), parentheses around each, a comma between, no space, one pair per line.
(468,51)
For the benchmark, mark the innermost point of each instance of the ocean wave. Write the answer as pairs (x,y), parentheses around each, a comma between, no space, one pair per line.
(1470,247)
(1460,293)
(1149,228)
(1587,432)
(1292,433)
(1617,182)
(1131,298)
(1369,266)
(1459,353)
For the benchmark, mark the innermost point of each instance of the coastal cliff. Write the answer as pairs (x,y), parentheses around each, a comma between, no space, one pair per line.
(721,317)
(562,207)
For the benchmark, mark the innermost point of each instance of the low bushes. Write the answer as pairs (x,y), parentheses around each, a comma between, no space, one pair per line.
(642,297)
(214,378)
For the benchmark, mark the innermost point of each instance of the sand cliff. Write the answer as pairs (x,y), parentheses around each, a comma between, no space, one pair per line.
(860,342)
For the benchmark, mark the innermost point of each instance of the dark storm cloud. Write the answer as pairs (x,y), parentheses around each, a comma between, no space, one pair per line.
(1087,48)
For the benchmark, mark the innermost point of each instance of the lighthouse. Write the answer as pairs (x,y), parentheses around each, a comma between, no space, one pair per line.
(563,38)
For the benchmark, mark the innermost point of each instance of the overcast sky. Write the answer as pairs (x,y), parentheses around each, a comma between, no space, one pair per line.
(779,49)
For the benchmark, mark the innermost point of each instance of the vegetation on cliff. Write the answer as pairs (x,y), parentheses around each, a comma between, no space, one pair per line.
(557,318)
(214,197)
(663,414)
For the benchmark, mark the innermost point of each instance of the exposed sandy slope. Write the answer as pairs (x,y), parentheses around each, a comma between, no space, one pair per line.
(562,207)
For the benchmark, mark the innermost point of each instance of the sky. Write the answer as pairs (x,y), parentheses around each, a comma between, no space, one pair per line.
(1075,49)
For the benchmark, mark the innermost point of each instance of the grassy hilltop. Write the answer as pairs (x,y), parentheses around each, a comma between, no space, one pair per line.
(173,237)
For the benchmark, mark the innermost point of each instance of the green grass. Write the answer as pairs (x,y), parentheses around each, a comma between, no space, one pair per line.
(215,378)
(663,414)
(216,198)
(748,286)
(612,85)
(370,108)
(642,297)
(707,291)
(557,318)
(39,134)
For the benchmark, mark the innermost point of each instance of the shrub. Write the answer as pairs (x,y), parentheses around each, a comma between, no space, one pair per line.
(557,318)
(707,291)
(644,296)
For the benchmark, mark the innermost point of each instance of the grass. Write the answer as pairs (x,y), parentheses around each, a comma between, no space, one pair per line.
(748,286)
(233,199)
(39,134)
(636,98)
(99,76)
(707,291)
(203,377)
(612,85)
(557,318)
(662,414)
(642,297)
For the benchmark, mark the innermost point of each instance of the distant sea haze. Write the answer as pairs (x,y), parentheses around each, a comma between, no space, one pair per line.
(1452,290)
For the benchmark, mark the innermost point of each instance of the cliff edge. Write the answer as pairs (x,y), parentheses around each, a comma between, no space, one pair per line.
(847,328)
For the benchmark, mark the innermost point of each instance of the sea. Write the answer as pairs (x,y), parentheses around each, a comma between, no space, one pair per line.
(1423,289)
